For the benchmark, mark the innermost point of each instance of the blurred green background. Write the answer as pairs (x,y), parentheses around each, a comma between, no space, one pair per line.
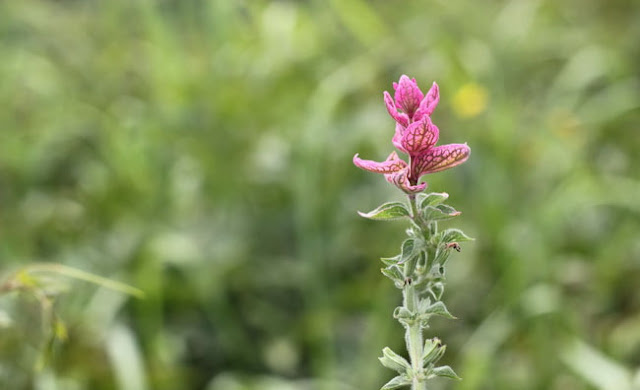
(201,151)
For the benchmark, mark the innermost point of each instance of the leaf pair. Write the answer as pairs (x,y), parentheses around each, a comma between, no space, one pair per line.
(430,206)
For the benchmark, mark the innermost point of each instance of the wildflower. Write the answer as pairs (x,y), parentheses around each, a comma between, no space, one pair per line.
(415,135)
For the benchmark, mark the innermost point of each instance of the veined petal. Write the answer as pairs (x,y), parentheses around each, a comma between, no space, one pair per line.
(400,179)
(408,96)
(397,137)
(420,136)
(429,103)
(439,158)
(399,117)
(390,165)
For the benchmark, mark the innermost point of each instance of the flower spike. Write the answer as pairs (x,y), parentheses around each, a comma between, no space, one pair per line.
(416,135)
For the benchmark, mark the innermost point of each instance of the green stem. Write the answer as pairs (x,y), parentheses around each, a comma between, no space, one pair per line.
(413,338)
(413,333)
(415,215)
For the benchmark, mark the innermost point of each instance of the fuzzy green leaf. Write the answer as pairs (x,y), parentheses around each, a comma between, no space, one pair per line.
(432,351)
(442,254)
(402,313)
(408,250)
(394,361)
(404,316)
(388,211)
(431,199)
(438,309)
(423,304)
(412,249)
(396,383)
(391,260)
(445,371)
(454,235)
(395,274)
(439,212)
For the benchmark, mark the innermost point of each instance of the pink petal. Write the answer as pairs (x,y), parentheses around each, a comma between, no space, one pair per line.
(429,103)
(400,179)
(420,136)
(391,165)
(440,158)
(399,117)
(408,96)
(397,138)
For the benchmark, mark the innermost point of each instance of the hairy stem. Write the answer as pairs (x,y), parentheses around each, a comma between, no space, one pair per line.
(413,338)
(413,334)
(415,215)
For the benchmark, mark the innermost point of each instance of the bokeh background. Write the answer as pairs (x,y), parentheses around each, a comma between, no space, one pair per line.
(201,151)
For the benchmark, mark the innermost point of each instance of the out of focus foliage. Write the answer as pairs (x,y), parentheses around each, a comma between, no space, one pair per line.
(201,151)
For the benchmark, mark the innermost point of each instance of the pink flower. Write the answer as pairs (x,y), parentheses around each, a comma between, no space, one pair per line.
(415,135)
(410,103)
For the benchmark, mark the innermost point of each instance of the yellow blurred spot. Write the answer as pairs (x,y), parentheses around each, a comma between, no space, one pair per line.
(60,330)
(470,100)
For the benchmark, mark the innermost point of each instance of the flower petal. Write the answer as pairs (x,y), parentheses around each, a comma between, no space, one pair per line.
(429,103)
(439,158)
(397,137)
(400,179)
(408,96)
(391,165)
(399,117)
(420,136)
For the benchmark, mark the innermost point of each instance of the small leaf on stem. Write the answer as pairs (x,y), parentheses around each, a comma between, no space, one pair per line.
(397,382)
(388,211)
(395,274)
(391,260)
(424,304)
(439,212)
(441,256)
(394,361)
(432,351)
(438,309)
(445,371)
(431,199)
(454,235)
(408,249)
(402,313)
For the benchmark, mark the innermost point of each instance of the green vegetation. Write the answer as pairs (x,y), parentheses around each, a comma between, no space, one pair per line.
(201,152)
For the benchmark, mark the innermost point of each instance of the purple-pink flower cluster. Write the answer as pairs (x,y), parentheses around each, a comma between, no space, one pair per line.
(415,135)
